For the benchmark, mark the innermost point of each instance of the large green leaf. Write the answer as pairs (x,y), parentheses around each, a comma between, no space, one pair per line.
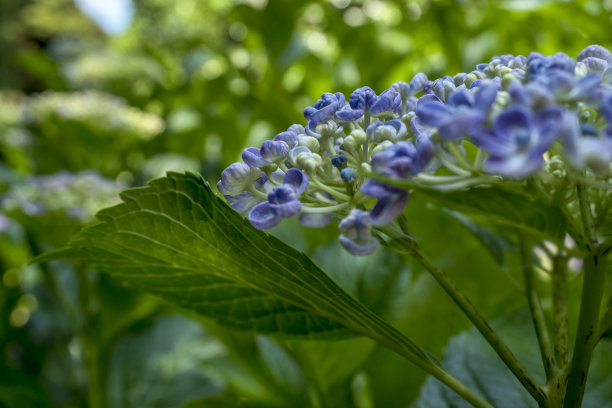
(469,358)
(507,208)
(177,239)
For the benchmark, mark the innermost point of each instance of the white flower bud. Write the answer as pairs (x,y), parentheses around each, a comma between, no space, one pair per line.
(382,147)
(310,142)
(349,143)
(360,136)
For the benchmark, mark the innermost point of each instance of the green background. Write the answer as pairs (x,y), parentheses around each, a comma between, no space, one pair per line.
(186,87)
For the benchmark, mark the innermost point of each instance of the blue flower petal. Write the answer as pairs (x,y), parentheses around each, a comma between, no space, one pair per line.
(388,208)
(262,217)
(297,179)
(363,249)
(252,157)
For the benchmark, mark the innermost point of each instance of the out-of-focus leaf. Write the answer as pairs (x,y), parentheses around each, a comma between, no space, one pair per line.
(471,360)
(162,366)
(495,244)
(226,401)
(18,396)
(282,366)
(506,208)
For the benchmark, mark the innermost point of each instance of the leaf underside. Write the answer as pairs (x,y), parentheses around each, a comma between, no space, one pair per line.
(175,238)
(506,208)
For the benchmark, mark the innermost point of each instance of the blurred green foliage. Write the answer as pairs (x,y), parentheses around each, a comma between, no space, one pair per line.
(186,87)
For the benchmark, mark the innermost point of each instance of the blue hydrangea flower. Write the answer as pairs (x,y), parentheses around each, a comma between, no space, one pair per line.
(513,108)
(364,100)
(407,91)
(237,178)
(463,113)
(245,201)
(356,235)
(539,66)
(282,201)
(400,161)
(325,108)
(392,130)
(518,140)
(532,95)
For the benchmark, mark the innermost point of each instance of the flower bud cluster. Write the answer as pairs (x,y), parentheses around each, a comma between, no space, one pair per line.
(77,196)
(102,112)
(515,112)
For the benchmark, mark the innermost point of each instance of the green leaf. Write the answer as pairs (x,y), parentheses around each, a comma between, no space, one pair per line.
(495,244)
(178,240)
(471,360)
(165,365)
(21,396)
(506,208)
(225,401)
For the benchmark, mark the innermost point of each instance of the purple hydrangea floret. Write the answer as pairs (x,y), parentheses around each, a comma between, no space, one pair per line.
(532,119)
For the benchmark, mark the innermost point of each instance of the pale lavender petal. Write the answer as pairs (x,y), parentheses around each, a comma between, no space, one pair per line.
(388,208)
(348,115)
(375,188)
(287,209)
(252,157)
(296,178)
(274,150)
(362,249)
(261,216)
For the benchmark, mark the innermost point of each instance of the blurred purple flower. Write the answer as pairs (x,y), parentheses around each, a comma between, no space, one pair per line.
(518,140)
(357,233)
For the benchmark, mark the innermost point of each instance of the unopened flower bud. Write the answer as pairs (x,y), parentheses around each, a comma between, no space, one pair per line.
(349,175)
(359,135)
(310,142)
(382,147)
(308,161)
(556,167)
(349,144)
(326,129)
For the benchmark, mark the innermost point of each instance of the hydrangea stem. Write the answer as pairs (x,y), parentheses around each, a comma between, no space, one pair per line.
(605,324)
(537,313)
(595,269)
(410,246)
(396,341)
(559,295)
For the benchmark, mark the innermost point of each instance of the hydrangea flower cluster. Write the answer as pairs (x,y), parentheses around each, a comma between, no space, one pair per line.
(103,112)
(513,118)
(77,196)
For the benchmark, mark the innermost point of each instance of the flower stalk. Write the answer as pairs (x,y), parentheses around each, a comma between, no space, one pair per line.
(410,246)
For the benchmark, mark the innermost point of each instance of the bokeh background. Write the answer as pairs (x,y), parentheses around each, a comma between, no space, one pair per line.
(97,96)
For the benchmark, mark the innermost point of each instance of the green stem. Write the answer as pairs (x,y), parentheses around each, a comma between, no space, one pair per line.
(472,313)
(391,338)
(535,307)
(94,394)
(587,218)
(559,295)
(595,268)
(366,123)
(461,160)
(605,324)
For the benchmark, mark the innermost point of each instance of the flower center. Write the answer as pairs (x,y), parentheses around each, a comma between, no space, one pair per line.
(282,194)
